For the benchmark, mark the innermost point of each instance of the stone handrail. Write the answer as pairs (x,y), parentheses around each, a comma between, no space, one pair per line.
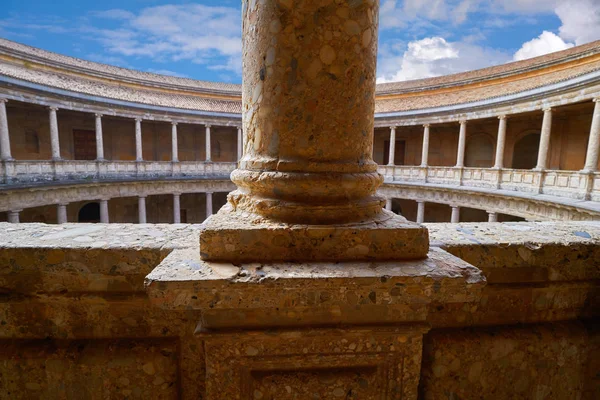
(568,184)
(28,172)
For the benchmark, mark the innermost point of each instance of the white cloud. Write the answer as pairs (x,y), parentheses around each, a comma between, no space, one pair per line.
(193,32)
(580,20)
(546,43)
(434,56)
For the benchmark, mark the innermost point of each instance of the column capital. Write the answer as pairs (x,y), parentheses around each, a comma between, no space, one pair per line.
(239,128)
(207,192)
(502,116)
(138,119)
(3,100)
(177,194)
(595,99)
(98,115)
(426,125)
(208,126)
(53,108)
(463,121)
(547,109)
(142,196)
(393,127)
(174,123)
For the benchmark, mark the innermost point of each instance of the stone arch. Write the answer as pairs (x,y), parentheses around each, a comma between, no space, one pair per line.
(525,151)
(90,212)
(479,151)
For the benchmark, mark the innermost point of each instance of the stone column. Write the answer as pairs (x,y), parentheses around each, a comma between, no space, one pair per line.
(61,213)
(209,204)
(499,161)
(420,212)
(142,209)
(174,144)
(5,154)
(542,162)
(138,140)
(388,204)
(591,159)
(455,218)
(425,151)
(492,216)
(13,216)
(176,208)
(308,100)
(207,139)
(240,143)
(392,146)
(462,138)
(104,211)
(99,139)
(54,141)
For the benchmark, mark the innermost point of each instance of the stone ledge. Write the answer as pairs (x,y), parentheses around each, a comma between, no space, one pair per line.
(285,294)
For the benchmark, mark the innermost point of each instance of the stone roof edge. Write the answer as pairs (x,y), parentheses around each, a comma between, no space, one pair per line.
(26,52)
(575,82)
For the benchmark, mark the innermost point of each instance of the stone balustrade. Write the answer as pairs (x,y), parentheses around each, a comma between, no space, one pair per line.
(577,185)
(25,172)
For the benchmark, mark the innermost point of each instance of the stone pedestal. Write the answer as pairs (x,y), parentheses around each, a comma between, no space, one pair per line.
(281,330)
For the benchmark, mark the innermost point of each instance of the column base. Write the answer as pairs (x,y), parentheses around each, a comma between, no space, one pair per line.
(240,237)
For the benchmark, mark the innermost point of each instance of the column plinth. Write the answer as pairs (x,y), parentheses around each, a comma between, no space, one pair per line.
(307,181)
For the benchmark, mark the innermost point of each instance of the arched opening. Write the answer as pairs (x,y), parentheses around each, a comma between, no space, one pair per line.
(479,152)
(526,152)
(89,213)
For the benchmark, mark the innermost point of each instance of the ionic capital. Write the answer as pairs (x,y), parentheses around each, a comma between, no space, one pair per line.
(174,123)
(502,117)
(393,128)
(3,100)
(463,121)
(547,109)
(98,115)
(138,119)
(53,108)
(207,126)
(426,125)
(595,99)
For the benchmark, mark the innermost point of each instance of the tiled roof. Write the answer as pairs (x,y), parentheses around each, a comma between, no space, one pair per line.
(94,79)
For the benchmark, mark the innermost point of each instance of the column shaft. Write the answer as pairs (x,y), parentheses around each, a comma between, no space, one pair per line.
(61,213)
(54,140)
(388,204)
(142,209)
(240,143)
(420,212)
(209,204)
(13,216)
(5,153)
(462,139)
(425,151)
(174,144)
(139,156)
(99,138)
(455,218)
(492,217)
(591,159)
(499,162)
(392,154)
(176,208)
(207,140)
(104,212)
(542,162)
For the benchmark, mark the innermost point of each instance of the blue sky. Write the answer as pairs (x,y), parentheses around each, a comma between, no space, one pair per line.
(202,40)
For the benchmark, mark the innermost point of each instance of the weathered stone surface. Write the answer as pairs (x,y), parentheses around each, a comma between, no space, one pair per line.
(241,237)
(56,342)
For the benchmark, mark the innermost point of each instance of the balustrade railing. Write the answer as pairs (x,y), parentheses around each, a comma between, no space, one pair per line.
(570,184)
(23,172)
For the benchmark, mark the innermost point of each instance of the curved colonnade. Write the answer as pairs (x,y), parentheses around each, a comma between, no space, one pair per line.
(520,139)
